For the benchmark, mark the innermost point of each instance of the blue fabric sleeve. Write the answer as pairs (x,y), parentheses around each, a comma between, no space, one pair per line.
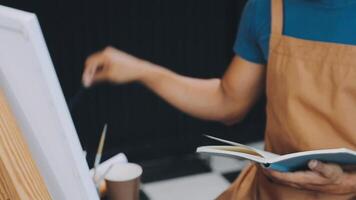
(246,43)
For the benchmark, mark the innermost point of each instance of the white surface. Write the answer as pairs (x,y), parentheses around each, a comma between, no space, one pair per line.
(226,164)
(124,172)
(31,86)
(198,187)
(204,186)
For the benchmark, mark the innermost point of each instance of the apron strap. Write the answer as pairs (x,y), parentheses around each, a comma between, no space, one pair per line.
(277,17)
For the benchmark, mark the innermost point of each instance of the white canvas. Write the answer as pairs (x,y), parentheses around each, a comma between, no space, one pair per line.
(29,81)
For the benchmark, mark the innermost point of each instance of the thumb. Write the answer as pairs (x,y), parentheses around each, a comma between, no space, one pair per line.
(93,65)
(330,171)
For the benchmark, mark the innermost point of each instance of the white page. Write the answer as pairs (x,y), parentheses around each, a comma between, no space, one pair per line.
(234,154)
(28,78)
(312,152)
(265,154)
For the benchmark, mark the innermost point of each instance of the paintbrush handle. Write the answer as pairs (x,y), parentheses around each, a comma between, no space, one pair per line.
(75,100)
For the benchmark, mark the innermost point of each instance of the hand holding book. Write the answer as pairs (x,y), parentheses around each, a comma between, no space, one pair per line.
(330,171)
(322,177)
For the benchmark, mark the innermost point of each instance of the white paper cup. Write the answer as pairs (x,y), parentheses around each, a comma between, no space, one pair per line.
(123,181)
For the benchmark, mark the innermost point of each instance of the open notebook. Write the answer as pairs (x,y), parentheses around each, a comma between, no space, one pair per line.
(284,163)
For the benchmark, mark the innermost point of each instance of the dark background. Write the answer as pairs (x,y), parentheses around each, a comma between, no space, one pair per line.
(191,37)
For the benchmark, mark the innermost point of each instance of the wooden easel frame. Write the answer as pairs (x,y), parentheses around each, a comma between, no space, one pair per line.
(19,177)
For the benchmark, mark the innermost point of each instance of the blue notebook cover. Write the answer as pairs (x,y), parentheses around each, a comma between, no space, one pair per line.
(301,162)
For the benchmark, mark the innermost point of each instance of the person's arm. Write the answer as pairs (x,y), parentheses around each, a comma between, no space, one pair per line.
(226,100)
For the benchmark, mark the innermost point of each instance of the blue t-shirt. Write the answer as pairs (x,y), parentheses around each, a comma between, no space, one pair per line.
(319,20)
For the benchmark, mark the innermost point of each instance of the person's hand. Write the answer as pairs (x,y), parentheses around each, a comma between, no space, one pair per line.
(322,177)
(112,65)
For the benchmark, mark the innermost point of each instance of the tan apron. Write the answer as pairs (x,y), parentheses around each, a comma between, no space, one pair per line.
(311,104)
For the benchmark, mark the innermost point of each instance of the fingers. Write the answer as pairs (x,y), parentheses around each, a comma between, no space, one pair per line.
(349,168)
(94,69)
(303,177)
(321,177)
(330,171)
(320,174)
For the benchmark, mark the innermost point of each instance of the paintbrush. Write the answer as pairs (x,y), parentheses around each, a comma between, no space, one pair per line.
(74,101)
(100,149)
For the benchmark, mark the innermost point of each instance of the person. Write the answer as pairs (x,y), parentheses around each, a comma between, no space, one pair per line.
(303,53)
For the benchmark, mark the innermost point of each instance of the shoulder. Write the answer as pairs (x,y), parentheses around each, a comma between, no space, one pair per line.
(259,15)
(253,38)
(262,9)
(256,11)
(259,5)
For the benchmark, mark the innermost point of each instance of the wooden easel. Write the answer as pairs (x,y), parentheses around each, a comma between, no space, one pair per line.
(19,177)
